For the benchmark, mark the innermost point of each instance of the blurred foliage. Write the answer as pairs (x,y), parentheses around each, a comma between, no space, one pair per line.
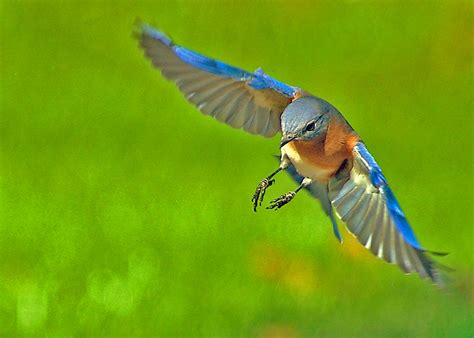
(123,211)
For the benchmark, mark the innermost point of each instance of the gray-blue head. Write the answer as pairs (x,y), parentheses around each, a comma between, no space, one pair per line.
(305,119)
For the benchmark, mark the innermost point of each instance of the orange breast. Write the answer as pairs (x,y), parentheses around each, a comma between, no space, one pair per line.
(327,152)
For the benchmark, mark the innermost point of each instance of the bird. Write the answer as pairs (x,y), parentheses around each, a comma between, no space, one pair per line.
(319,148)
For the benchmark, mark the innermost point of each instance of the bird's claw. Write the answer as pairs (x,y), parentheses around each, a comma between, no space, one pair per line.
(257,198)
(277,203)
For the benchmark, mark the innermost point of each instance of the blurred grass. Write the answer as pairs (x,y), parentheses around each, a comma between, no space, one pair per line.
(123,211)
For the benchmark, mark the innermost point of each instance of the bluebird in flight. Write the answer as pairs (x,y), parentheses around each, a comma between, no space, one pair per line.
(319,148)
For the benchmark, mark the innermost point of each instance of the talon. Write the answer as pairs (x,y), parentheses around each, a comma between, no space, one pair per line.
(269,183)
(277,203)
(257,198)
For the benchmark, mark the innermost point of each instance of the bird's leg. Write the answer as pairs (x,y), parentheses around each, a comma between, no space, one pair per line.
(257,198)
(277,203)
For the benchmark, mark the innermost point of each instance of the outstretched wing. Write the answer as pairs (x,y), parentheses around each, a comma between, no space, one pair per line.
(319,191)
(252,101)
(365,202)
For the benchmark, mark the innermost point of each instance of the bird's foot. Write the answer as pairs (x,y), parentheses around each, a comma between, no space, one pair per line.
(257,198)
(277,203)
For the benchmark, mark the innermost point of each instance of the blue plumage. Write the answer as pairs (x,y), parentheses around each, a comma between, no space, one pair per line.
(261,80)
(258,80)
(209,65)
(378,179)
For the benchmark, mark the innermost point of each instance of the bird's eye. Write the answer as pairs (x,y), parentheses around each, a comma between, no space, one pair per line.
(310,126)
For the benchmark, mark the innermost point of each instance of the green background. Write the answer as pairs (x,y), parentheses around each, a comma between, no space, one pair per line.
(124,211)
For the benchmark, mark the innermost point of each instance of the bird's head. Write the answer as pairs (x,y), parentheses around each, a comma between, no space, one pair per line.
(304,119)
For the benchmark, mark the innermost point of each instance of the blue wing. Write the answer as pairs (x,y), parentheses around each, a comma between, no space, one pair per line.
(367,205)
(252,101)
(319,191)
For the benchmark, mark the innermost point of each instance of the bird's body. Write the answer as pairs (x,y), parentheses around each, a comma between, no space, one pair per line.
(319,148)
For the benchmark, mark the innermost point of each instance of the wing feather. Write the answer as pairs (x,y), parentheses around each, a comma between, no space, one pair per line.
(349,203)
(252,101)
(238,116)
(365,203)
(362,210)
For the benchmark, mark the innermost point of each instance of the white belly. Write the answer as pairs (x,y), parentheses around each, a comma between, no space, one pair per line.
(305,168)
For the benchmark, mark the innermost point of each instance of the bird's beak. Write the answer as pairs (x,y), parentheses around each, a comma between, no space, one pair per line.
(286,139)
